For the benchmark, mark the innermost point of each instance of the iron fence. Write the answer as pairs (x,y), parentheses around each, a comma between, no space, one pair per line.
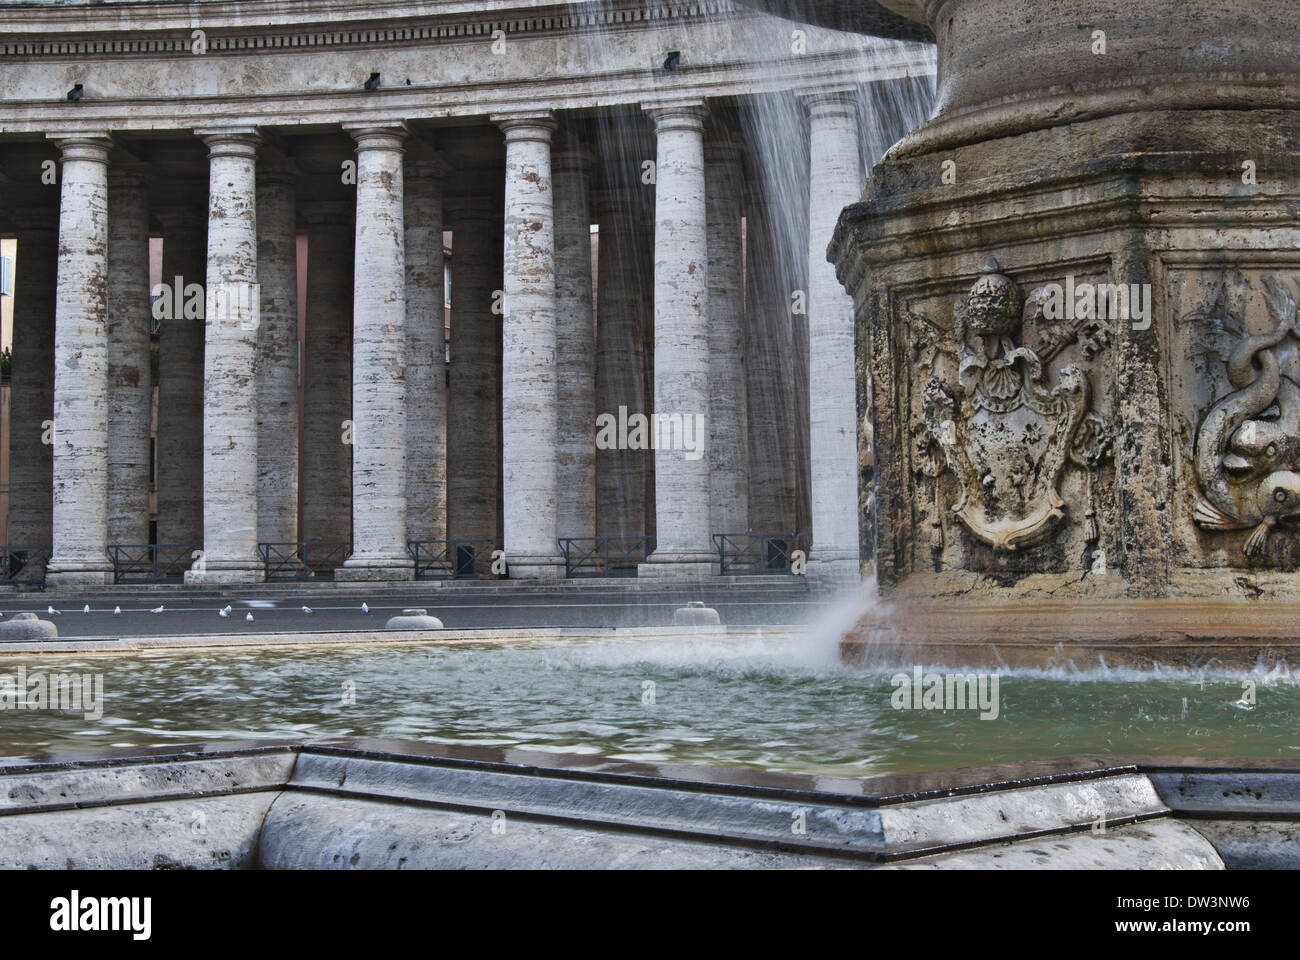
(151,562)
(605,556)
(752,552)
(455,559)
(23,564)
(304,560)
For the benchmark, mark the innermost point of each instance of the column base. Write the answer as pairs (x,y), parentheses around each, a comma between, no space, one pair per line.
(78,571)
(535,567)
(227,571)
(374,569)
(839,566)
(686,564)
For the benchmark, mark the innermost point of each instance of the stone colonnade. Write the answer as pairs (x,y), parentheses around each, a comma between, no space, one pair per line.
(528,358)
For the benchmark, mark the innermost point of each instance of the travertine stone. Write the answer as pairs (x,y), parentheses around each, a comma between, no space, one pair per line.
(277,352)
(681,365)
(426,379)
(232,305)
(80,554)
(473,453)
(528,396)
(379,549)
(32,387)
(129,382)
(326,469)
(835,180)
(728,437)
(26,626)
(180,378)
(575,344)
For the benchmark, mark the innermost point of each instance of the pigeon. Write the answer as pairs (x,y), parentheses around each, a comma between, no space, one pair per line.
(222,613)
(249,616)
(306,609)
(116,611)
(86,609)
(52,610)
(364,608)
(157,609)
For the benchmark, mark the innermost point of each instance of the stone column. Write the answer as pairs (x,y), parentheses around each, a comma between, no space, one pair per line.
(129,382)
(681,355)
(575,344)
(426,379)
(528,376)
(728,418)
(620,382)
(835,181)
(326,469)
(80,515)
(31,477)
(277,352)
(231,309)
(180,378)
(379,549)
(473,454)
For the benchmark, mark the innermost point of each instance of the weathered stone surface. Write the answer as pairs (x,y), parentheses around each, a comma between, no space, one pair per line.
(26,626)
(413,619)
(695,612)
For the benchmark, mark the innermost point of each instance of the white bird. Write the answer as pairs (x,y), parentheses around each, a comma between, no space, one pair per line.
(157,609)
(1244,704)
(306,609)
(86,609)
(223,613)
(52,610)
(249,616)
(364,608)
(116,611)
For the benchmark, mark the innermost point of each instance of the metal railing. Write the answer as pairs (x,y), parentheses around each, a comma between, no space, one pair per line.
(758,552)
(304,560)
(23,564)
(454,559)
(604,556)
(151,562)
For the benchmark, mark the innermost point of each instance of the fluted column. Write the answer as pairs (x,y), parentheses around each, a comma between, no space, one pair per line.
(681,354)
(231,310)
(180,378)
(426,382)
(621,490)
(575,346)
(728,417)
(529,425)
(31,476)
(379,549)
(835,181)
(325,472)
(277,352)
(129,382)
(473,452)
(80,516)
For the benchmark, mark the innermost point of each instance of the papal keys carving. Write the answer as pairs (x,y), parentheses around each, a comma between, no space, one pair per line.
(1007,418)
(1248,445)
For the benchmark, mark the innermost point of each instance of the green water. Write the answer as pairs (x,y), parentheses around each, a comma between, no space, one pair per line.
(772,704)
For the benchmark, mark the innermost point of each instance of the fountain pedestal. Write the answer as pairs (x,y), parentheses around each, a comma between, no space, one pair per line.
(1075,293)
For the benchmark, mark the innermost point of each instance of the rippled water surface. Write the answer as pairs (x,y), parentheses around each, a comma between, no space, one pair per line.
(770,703)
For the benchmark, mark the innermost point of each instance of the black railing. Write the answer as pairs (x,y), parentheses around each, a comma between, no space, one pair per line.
(455,559)
(23,564)
(152,562)
(604,556)
(759,552)
(305,560)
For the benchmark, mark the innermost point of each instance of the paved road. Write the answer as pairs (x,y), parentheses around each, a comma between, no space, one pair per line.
(190,613)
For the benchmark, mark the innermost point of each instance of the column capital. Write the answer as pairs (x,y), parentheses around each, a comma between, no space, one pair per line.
(822,103)
(230,141)
(534,125)
(377,136)
(677,115)
(94,146)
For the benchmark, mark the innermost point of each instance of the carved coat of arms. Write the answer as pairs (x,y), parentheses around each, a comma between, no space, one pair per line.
(1002,417)
(1248,444)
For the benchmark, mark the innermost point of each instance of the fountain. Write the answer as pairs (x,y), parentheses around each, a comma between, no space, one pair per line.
(1075,293)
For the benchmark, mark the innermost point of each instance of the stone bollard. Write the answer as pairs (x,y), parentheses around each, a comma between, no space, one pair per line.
(413,619)
(26,626)
(695,613)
